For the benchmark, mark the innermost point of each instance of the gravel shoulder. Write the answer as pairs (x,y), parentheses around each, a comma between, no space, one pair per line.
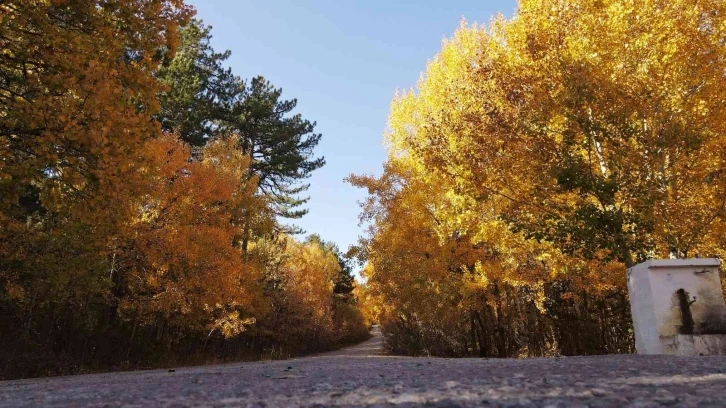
(363,376)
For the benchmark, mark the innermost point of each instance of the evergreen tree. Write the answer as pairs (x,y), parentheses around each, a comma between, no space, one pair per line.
(199,91)
(281,145)
(204,100)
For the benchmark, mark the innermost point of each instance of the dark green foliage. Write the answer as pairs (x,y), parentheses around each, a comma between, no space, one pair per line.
(204,100)
(200,91)
(281,144)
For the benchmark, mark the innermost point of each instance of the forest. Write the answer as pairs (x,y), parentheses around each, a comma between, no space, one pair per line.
(146,196)
(535,160)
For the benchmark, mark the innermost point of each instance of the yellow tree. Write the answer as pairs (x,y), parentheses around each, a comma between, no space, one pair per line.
(77,92)
(561,145)
(596,125)
(181,264)
(444,283)
(452,279)
(308,272)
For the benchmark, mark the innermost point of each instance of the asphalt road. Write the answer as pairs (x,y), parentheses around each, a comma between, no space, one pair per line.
(363,376)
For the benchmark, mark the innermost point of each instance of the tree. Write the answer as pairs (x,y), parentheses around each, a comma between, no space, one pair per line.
(76,95)
(536,158)
(451,279)
(348,321)
(281,146)
(180,263)
(595,125)
(204,100)
(76,98)
(344,281)
(199,90)
(119,247)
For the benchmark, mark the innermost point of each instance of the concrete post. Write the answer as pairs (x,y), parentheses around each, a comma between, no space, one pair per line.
(678,307)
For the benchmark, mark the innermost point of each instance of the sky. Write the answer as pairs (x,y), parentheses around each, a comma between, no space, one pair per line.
(343,60)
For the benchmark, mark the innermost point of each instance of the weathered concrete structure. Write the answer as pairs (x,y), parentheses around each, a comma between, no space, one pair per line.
(678,307)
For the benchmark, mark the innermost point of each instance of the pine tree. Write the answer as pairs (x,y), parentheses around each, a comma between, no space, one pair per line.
(281,145)
(199,89)
(205,100)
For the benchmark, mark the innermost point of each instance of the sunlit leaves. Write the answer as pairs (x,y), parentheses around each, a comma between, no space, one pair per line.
(112,227)
(551,150)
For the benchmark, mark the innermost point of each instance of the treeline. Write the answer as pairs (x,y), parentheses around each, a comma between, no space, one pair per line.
(537,158)
(141,184)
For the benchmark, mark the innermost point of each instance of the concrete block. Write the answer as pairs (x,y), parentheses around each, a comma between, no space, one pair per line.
(695,345)
(674,302)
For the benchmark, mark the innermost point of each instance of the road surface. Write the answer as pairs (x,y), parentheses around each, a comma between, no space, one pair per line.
(363,376)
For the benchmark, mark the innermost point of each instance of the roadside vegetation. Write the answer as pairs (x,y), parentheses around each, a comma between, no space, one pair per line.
(537,158)
(148,194)
(145,195)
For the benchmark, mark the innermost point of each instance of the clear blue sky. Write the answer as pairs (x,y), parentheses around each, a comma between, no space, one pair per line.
(343,60)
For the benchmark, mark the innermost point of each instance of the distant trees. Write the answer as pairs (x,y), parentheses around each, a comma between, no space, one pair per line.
(140,184)
(536,159)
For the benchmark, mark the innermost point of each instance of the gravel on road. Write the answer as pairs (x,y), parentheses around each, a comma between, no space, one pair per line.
(363,376)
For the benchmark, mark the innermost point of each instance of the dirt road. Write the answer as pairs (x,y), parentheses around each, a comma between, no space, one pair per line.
(363,376)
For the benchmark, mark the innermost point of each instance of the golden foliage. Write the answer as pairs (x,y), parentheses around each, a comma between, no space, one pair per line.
(181,255)
(539,156)
(119,246)
(77,95)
